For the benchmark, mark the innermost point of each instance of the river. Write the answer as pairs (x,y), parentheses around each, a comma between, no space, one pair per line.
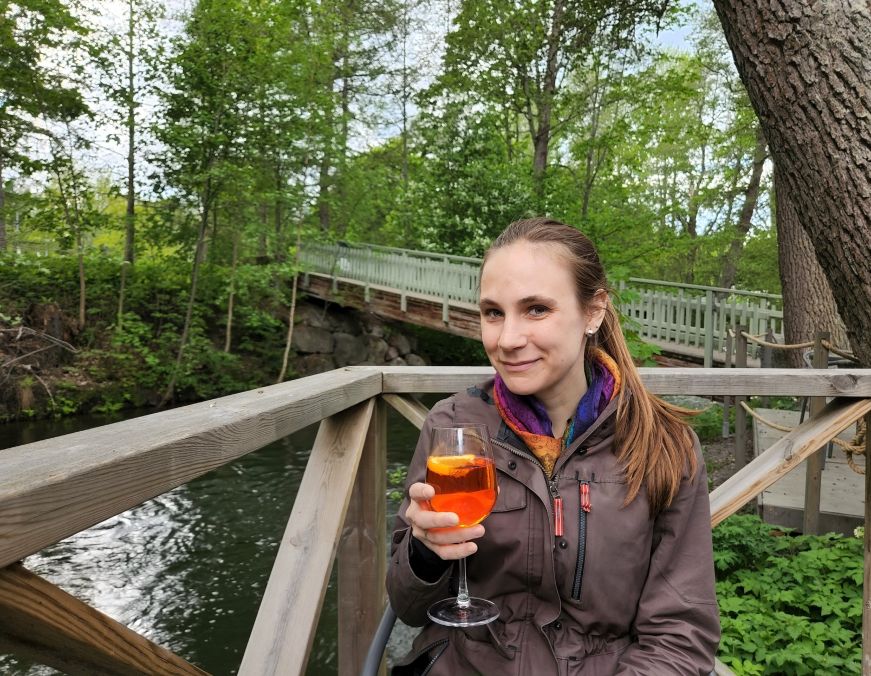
(188,568)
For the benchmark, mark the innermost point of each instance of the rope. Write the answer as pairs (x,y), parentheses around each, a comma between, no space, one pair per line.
(777,346)
(839,352)
(797,346)
(857,447)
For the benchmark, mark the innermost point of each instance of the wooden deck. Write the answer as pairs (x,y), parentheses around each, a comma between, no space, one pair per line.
(842,505)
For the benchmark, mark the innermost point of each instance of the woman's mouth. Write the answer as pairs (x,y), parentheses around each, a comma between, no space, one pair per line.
(519,366)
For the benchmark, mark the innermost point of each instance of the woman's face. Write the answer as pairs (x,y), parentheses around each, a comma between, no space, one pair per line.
(532,325)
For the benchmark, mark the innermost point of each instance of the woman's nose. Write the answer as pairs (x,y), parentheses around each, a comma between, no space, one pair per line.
(512,336)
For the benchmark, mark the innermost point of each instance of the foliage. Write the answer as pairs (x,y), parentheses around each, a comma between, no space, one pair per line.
(130,365)
(788,604)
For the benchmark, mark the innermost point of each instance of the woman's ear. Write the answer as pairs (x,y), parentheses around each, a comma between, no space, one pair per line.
(598,305)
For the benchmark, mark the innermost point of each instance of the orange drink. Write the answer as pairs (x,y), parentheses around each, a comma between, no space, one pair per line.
(464,484)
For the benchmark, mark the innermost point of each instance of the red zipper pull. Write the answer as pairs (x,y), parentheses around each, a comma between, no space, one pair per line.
(558,517)
(586,505)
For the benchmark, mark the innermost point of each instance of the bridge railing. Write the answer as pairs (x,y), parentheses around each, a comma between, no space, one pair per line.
(52,489)
(700,316)
(691,315)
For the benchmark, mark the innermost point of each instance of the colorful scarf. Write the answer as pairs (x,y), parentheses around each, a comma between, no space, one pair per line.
(527,418)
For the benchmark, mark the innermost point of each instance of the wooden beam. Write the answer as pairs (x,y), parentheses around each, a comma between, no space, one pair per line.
(410,409)
(288,616)
(740,413)
(43,623)
(362,558)
(784,455)
(699,381)
(52,489)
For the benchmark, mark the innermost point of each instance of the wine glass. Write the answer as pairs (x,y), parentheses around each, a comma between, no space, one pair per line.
(460,468)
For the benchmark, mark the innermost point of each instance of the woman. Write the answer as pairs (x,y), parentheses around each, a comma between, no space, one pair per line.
(623,581)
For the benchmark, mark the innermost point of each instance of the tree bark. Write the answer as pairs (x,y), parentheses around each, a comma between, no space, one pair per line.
(130,231)
(745,218)
(2,209)
(805,66)
(808,303)
(198,257)
(228,334)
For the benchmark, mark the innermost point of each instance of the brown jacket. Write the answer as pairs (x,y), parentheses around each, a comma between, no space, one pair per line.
(636,596)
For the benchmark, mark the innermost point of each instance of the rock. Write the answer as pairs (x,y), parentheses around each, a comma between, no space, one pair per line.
(311,315)
(392,353)
(399,361)
(312,339)
(372,325)
(400,342)
(377,348)
(349,349)
(415,360)
(346,321)
(314,363)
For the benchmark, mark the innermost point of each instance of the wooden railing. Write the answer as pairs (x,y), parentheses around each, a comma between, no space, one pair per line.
(688,315)
(55,488)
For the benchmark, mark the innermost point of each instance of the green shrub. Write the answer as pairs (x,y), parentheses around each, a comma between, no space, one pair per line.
(789,605)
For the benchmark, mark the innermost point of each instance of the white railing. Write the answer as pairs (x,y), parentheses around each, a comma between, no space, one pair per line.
(690,315)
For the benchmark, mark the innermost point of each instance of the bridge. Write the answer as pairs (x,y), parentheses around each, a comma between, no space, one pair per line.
(440,291)
(54,488)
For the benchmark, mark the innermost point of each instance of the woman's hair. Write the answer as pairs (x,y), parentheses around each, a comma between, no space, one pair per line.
(653,441)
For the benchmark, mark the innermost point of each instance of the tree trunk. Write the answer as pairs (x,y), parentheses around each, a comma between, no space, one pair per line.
(2,208)
(324,194)
(751,197)
(292,313)
(808,304)
(80,246)
(541,137)
(198,257)
(130,230)
(806,69)
(228,334)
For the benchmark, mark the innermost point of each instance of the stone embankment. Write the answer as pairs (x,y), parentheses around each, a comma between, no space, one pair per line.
(329,337)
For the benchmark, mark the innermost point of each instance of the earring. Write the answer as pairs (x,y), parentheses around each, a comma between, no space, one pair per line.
(590,332)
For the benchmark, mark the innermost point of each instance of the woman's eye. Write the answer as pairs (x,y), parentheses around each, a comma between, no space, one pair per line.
(538,310)
(491,313)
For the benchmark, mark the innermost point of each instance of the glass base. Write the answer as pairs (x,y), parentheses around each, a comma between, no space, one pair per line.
(448,613)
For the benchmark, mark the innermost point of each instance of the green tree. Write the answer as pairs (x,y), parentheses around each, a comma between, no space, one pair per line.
(33,86)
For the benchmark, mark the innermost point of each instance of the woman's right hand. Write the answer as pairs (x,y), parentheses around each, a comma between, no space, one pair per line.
(438,531)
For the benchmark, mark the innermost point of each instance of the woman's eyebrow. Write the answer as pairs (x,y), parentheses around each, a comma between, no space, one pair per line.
(536,299)
(526,300)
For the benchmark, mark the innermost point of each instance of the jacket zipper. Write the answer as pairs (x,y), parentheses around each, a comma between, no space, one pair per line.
(440,643)
(556,502)
(584,507)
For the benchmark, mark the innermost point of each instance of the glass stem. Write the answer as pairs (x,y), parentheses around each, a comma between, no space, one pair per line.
(463,593)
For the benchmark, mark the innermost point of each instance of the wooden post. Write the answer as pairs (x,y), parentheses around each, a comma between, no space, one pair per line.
(445,290)
(814,466)
(727,399)
(766,357)
(41,622)
(363,551)
(709,328)
(740,413)
(284,630)
(866,589)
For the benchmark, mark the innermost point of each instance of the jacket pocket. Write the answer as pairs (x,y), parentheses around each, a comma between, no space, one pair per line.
(512,494)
